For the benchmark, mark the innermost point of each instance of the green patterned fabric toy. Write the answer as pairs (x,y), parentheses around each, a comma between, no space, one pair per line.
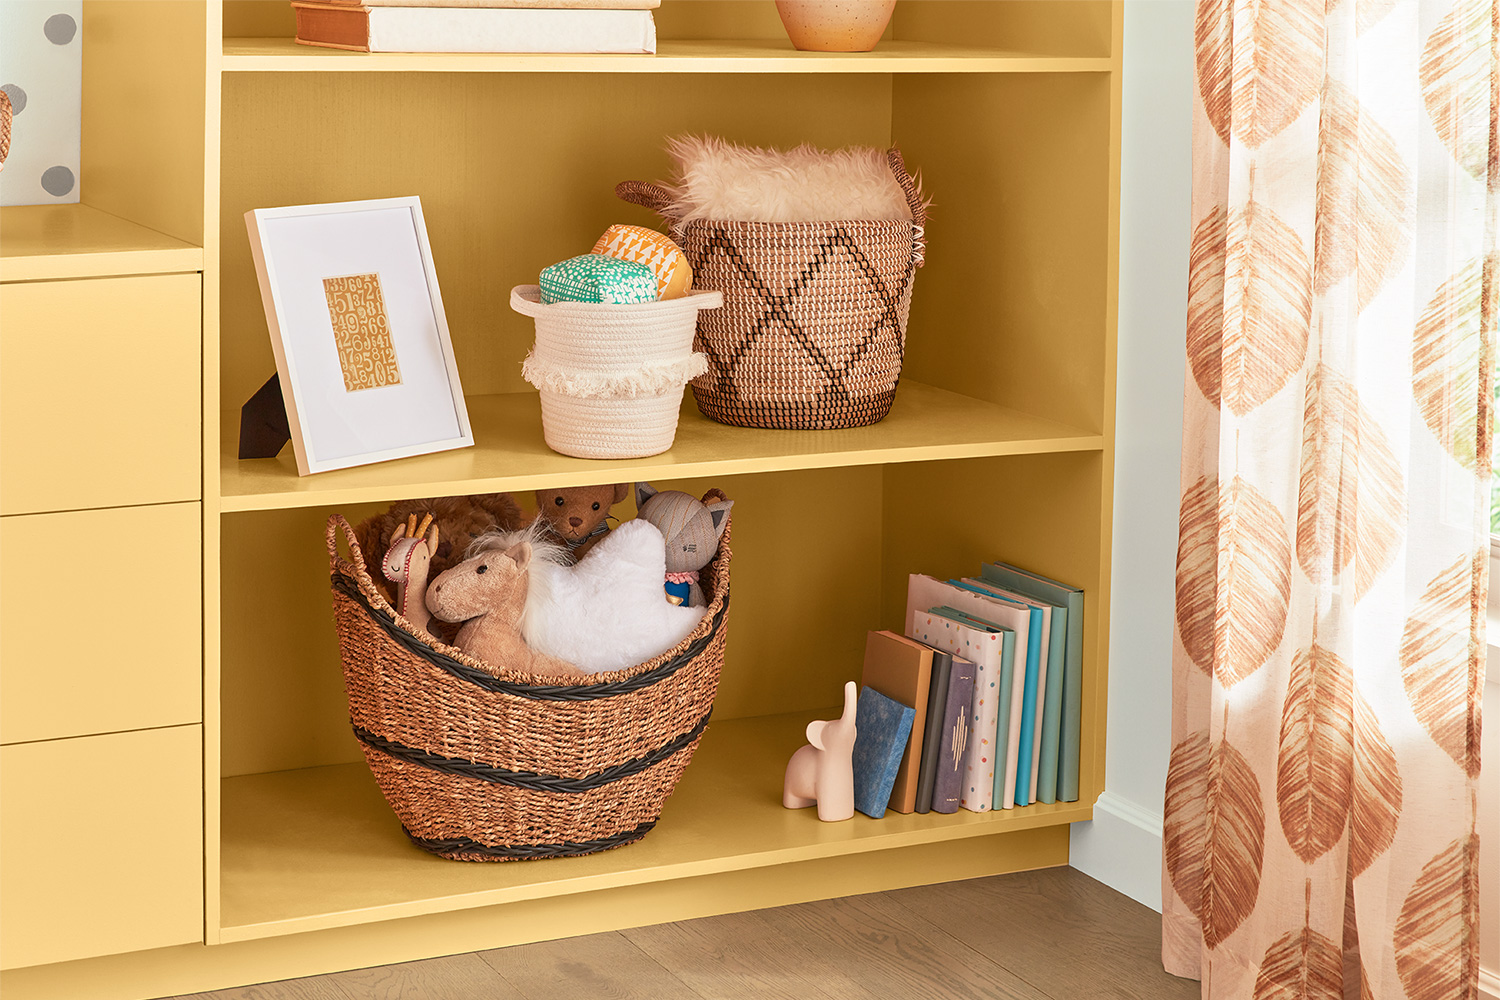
(595,277)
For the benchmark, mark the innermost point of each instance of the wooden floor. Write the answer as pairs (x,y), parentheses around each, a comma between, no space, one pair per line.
(1047,935)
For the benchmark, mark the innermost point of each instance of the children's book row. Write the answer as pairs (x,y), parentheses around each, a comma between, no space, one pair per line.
(978,705)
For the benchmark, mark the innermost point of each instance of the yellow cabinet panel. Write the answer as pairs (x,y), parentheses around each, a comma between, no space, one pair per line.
(144,665)
(100,392)
(101,845)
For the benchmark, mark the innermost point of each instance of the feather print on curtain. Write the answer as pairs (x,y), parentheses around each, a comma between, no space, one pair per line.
(1320,835)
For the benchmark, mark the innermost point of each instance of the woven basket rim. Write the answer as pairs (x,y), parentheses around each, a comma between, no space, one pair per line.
(712,577)
(527,300)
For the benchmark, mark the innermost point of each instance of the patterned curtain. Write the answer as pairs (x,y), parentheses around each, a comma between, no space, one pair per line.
(1321,817)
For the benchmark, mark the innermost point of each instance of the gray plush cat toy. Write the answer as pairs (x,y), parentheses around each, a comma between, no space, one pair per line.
(692,530)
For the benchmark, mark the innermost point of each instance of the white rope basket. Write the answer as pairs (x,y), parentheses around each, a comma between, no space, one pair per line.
(611,377)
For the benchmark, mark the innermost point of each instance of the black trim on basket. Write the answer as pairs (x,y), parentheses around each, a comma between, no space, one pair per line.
(571,849)
(530,779)
(535,692)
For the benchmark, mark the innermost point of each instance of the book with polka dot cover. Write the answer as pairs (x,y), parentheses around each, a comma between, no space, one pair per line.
(987,650)
(924,593)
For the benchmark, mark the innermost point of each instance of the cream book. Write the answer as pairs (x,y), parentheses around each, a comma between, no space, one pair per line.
(474,29)
(554,4)
(925,592)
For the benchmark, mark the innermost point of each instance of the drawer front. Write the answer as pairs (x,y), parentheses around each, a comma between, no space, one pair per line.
(101,845)
(140,622)
(100,392)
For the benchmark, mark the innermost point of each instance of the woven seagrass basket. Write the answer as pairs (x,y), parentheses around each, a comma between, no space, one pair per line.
(479,767)
(813,328)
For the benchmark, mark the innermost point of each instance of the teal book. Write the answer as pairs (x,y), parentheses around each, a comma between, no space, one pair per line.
(1048,744)
(1030,714)
(883,728)
(1071,727)
(1003,744)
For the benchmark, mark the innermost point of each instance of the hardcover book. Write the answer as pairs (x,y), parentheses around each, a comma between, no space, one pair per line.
(883,727)
(473,29)
(901,669)
(983,644)
(932,729)
(924,592)
(1054,656)
(558,4)
(1046,589)
(947,788)
(1041,625)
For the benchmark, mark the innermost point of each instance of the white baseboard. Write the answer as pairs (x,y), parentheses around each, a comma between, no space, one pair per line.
(1121,847)
(1489,984)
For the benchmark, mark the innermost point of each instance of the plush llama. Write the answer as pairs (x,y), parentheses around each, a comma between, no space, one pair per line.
(606,612)
(406,563)
(692,530)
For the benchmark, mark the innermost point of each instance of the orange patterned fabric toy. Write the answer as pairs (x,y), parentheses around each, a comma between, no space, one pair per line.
(674,276)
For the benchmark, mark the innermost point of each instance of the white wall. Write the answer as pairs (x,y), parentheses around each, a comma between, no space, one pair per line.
(1122,846)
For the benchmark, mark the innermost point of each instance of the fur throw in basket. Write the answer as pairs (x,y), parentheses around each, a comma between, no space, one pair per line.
(718,180)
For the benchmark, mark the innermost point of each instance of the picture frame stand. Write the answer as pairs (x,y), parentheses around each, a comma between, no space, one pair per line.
(264,428)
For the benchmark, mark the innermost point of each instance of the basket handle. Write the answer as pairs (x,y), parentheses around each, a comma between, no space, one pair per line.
(647,195)
(914,202)
(336,561)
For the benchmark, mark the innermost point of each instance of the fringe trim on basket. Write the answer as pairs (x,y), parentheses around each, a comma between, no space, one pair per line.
(652,380)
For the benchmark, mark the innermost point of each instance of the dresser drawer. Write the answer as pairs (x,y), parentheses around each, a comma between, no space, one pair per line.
(101,845)
(117,648)
(100,392)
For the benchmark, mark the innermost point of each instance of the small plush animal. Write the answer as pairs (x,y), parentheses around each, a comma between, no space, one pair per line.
(822,773)
(576,514)
(487,593)
(459,521)
(406,563)
(605,612)
(692,530)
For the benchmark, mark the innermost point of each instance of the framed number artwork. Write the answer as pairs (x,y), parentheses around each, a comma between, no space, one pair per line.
(357,326)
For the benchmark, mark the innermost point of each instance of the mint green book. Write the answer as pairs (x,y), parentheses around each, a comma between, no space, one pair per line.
(1071,726)
(1049,743)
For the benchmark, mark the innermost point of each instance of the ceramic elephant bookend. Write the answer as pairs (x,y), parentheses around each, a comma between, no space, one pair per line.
(822,774)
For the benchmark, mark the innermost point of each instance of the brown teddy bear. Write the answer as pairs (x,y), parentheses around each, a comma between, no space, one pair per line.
(576,514)
(459,521)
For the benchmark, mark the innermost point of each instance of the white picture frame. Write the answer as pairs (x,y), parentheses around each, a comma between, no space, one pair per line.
(383,385)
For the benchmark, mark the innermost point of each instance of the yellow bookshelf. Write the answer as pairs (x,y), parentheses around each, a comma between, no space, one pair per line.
(1000,444)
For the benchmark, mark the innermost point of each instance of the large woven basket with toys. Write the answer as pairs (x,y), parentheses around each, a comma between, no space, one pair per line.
(487,761)
(812,332)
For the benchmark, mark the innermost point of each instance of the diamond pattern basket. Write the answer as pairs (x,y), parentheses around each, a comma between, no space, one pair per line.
(813,328)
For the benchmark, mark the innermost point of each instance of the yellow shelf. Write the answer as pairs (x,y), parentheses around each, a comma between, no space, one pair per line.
(260,55)
(39,242)
(318,848)
(925,424)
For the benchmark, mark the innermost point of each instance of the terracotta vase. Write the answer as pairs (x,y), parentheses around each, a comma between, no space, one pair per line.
(835,25)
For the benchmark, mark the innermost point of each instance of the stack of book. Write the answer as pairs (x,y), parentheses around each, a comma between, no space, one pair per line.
(478,25)
(990,670)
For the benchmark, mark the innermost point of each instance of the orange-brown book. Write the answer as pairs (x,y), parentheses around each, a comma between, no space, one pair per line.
(474,29)
(901,669)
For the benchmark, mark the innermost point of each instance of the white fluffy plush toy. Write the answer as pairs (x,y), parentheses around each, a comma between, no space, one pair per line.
(607,611)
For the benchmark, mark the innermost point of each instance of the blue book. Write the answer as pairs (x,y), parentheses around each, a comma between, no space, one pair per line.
(884,727)
(1046,739)
(1046,589)
(1030,711)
